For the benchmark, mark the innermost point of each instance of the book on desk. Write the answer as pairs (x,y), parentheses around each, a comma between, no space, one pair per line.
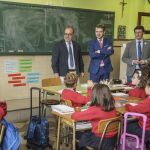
(64,109)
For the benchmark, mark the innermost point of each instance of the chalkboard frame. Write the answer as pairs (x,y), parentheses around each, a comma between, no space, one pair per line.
(48,7)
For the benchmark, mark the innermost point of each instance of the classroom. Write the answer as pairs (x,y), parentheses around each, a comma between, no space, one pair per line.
(105,42)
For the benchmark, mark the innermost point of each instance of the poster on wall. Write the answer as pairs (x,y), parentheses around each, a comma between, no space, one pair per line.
(20,72)
(121,32)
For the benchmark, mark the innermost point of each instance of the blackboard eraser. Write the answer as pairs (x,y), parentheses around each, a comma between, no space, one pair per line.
(11,51)
(20,50)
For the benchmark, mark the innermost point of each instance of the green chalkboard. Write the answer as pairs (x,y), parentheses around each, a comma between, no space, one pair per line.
(27,29)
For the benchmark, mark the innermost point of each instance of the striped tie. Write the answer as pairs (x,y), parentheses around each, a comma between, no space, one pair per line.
(71,56)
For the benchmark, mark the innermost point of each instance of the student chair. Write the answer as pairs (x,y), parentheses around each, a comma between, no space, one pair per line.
(2,130)
(49,101)
(66,132)
(108,125)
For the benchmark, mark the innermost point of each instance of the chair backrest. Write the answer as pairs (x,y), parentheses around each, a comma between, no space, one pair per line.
(109,125)
(51,81)
(66,102)
(2,130)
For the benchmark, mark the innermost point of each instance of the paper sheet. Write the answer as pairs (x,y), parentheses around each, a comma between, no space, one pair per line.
(119,94)
(83,125)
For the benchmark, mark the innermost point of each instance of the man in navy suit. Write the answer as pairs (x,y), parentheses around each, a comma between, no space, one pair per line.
(66,55)
(100,50)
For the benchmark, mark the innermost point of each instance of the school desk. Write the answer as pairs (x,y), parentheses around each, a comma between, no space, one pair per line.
(58,89)
(129,99)
(81,88)
(66,119)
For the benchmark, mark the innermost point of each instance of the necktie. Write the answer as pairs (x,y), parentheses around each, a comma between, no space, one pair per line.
(100,43)
(139,50)
(71,56)
(101,46)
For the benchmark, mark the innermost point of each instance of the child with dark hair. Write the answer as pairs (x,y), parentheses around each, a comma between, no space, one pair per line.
(70,93)
(145,69)
(137,91)
(101,107)
(144,108)
(3,109)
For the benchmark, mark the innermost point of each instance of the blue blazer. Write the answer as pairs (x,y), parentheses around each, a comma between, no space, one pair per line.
(104,55)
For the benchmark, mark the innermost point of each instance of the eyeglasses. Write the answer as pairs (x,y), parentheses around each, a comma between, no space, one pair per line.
(68,34)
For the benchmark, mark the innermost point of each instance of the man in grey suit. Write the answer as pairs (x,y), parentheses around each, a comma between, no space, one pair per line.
(137,52)
(66,56)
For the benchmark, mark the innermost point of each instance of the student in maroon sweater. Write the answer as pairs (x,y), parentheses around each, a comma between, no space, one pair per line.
(144,108)
(137,91)
(3,109)
(101,107)
(70,92)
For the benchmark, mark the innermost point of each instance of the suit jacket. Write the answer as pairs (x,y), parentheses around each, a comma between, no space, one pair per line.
(60,58)
(104,55)
(130,54)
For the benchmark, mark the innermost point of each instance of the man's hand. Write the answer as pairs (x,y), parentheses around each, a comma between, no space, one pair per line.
(82,74)
(56,75)
(135,62)
(97,51)
(142,62)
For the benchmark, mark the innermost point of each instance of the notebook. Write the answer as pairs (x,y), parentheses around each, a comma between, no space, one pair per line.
(62,109)
(133,104)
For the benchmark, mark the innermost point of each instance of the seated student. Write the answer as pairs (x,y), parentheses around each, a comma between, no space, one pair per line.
(137,91)
(3,109)
(101,107)
(144,108)
(70,93)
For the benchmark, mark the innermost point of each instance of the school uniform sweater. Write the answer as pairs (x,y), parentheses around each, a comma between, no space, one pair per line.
(3,110)
(76,98)
(144,108)
(94,114)
(137,92)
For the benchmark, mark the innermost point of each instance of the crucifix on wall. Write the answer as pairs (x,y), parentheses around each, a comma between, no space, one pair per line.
(123,5)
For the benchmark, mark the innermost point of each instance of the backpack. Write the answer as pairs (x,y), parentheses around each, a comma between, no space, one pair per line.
(38,132)
(38,129)
(131,141)
(12,139)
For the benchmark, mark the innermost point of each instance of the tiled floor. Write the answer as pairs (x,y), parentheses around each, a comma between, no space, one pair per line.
(22,126)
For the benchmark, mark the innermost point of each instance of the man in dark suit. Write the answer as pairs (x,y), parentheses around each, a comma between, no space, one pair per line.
(137,52)
(100,50)
(66,55)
